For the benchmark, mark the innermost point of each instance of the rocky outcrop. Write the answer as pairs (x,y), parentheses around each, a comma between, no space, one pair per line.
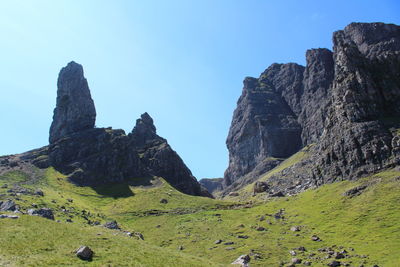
(212,185)
(365,111)
(75,109)
(94,156)
(264,128)
(344,102)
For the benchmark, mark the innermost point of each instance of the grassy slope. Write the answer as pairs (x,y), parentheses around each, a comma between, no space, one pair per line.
(368,223)
(246,193)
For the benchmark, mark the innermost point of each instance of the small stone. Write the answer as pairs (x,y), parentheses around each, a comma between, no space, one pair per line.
(293,253)
(139,235)
(296,261)
(112,225)
(230,248)
(243,261)
(243,236)
(334,264)
(338,256)
(229,243)
(295,228)
(315,238)
(164,201)
(260,228)
(84,253)
(4,186)
(5,216)
(70,200)
(219,241)
(8,205)
(180,248)
(39,192)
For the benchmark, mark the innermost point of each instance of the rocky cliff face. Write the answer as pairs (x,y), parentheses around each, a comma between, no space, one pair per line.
(75,109)
(92,156)
(345,102)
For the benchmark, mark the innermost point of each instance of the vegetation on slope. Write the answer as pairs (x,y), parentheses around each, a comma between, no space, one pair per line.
(185,227)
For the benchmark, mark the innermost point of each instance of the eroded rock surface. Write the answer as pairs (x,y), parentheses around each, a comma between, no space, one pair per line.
(75,109)
(344,103)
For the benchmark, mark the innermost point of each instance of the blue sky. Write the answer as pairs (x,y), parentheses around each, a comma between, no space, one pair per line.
(181,61)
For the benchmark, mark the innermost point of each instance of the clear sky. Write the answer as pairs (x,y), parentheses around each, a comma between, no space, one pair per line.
(181,61)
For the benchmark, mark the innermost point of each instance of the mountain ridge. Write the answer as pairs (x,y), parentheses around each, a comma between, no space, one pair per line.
(339,101)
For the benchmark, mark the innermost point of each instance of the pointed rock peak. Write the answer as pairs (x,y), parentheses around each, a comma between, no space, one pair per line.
(144,130)
(145,124)
(147,120)
(75,110)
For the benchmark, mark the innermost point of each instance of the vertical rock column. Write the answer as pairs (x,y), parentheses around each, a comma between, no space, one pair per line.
(75,109)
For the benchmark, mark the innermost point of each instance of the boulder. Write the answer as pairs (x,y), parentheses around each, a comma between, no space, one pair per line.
(296,260)
(243,261)
(295,228)
(315,238)
(334,264)
(112,225)
(260,187)
(4,216)
(43,212)
(8,205)
(84,253)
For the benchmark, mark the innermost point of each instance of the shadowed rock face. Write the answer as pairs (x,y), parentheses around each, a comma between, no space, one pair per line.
(75,109)
(264,125)
(345,102)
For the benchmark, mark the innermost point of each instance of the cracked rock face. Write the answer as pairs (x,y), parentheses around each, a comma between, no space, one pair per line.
(346,102)
(264,125)
(75,109)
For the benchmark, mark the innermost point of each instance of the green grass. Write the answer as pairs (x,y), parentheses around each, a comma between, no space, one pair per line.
(368,223)
(34,241)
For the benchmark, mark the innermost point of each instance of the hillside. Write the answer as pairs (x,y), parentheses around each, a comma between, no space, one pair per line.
(184,230)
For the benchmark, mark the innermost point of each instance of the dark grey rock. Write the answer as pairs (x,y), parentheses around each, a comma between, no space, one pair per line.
(8,205)
(6,216)
(43,212)
(75,109)
(334,264)
(243,261)
(260,187)
(355,191)
(39,192)
(85,253)
(164,201)
(296,260)
(112,225)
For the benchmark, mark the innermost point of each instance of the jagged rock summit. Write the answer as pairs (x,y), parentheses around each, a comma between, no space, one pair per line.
(93,156)
(343,104)
(75,109)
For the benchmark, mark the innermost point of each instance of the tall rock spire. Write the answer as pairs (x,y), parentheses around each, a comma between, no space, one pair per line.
(75,109)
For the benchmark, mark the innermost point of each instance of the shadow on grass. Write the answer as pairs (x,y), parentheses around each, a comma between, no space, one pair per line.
(122,189)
